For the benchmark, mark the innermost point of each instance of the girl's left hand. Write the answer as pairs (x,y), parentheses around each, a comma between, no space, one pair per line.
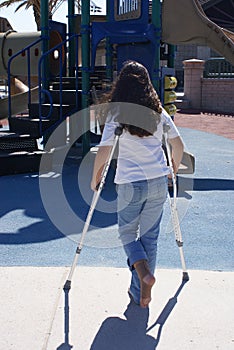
(94,185)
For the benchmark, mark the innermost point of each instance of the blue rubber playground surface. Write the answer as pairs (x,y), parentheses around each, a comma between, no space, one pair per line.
(42,218)
(28,237)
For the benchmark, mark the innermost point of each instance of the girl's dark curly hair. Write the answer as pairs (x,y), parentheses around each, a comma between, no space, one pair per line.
(133,86)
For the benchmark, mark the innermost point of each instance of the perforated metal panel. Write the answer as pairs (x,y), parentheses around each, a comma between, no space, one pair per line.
(127,9)
(12,142)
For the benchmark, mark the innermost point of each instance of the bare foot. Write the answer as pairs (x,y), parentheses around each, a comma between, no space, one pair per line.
(147,281)
(146,284)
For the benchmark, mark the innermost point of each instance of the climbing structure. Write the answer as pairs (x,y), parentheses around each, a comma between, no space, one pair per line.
(58,65)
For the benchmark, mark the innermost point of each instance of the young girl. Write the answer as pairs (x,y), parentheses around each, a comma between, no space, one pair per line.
(141,173)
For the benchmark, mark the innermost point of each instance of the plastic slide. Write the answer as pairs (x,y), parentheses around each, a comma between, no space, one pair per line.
(12,42)
(19,103)
(184,22)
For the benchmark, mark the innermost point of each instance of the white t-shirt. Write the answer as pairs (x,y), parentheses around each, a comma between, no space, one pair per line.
(139,158)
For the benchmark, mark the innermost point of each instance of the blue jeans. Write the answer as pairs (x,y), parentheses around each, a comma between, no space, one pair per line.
(140,208)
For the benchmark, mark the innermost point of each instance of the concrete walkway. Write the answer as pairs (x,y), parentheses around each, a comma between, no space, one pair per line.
(96,313)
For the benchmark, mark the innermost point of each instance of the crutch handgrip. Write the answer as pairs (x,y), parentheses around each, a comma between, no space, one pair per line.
(118,131)
(166,128)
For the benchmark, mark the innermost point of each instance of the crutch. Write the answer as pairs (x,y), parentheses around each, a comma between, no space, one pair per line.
(173,207)
(96,195)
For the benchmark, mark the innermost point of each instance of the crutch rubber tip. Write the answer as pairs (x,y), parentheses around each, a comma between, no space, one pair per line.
(67,285)
(185,276)
(118,131)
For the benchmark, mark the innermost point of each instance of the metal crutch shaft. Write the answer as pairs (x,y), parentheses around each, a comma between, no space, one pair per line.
(96,195)
(173,207)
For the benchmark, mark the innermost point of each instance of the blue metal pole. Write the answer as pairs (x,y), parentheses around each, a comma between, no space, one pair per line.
(71,31)
(109,49)
(171,56)
(85,54)
(156,20)
(45,41)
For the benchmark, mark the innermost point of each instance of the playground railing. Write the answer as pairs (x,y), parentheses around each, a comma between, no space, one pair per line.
(58,51)
(26,51)
(218,68)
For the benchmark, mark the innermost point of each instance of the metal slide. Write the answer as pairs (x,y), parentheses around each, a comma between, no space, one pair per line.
(184,22)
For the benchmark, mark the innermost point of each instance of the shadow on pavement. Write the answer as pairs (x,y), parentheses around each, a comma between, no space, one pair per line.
(127,333)
(162,318)
(213,185)
(188,184)
(66,345)
(130,333)
(24,219)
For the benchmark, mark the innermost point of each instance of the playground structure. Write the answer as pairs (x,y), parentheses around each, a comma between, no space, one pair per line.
(63,66)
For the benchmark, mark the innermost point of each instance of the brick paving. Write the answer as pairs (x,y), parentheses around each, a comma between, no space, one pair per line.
(219,124)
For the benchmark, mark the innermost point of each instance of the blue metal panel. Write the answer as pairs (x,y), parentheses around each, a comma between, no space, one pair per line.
(142,53)
(121,33)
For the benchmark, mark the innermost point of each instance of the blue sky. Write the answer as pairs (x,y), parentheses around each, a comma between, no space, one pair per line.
(23,20)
